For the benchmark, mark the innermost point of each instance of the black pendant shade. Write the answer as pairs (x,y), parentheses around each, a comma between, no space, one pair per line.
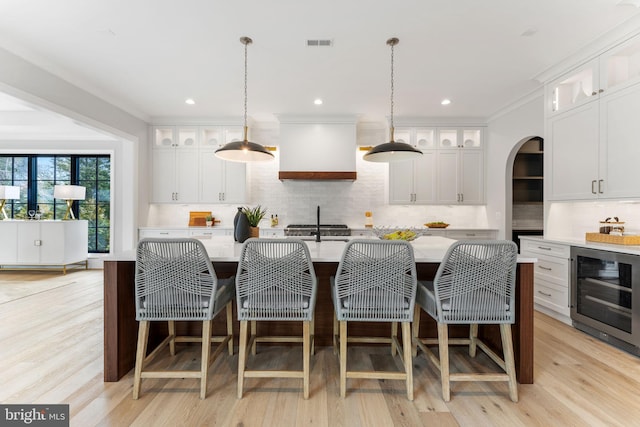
(392,151)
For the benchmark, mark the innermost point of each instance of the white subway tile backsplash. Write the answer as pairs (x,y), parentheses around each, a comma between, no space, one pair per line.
(339,201)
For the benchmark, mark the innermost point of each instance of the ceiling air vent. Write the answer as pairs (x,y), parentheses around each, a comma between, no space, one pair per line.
(319,42)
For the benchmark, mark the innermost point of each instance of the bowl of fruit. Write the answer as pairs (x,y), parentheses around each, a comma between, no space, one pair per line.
(387,233)
(436,224)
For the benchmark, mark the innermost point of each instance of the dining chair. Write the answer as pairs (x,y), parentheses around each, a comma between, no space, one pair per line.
(275,281)
(175,281)
(474,284)
(375,282)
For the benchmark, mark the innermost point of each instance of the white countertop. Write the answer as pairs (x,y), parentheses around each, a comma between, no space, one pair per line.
(426,249)
(626,249)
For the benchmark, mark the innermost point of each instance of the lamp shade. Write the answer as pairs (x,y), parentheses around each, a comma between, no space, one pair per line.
(9,192)
(243,151)
(392,152)
(69,192)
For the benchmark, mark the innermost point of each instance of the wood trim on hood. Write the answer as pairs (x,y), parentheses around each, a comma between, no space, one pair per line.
(310,175)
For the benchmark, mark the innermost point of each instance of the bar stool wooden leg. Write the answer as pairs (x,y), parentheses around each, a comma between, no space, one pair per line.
(443,345)
(143,335)
(473,339)
(394,337)
(204,363)
(507,345)
(242,356)
(306,355)
(408,360)
(172,335)
(230,326)
(343,358)
(336,336)
(415,329)
(254,333)
(312,337)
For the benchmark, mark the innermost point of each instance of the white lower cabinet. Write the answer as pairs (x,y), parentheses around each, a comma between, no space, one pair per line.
(551,276)
(50,243)
(471,234)
(163,233)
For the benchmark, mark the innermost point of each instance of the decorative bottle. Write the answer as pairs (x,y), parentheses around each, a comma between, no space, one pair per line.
(243,229)
(235,222)
(368,219)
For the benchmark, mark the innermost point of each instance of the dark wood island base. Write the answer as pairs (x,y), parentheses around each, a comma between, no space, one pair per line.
(121,328)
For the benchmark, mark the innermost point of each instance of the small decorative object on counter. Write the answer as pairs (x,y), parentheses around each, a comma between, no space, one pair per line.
(208,220)
(368,219)
(436,224)
(274,220)
(609,226)
(254,216)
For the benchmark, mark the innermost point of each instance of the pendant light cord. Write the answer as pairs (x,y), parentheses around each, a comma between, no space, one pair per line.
(392,88)
(245,91)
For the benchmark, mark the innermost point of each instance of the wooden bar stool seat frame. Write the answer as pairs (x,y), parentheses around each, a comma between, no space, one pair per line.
(375,282)
(275,281)
(474,284)
(175,281)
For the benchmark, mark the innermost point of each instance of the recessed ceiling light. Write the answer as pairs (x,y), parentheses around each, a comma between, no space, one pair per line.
(317,101)
(635,3)
(190,101)
(529,32)
(445,101)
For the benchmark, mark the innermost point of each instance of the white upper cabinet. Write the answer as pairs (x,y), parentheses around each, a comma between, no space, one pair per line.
(174,177)
(221,181)
(450,170)
(592,140)
(185,169)
(614,70)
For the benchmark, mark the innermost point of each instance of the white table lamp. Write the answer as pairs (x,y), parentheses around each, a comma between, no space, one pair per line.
(69,193)
(8,192)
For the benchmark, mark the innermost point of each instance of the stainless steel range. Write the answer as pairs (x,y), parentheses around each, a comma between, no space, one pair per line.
(301,230)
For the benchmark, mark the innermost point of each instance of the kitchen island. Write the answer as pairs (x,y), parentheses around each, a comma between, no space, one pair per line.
(120,326)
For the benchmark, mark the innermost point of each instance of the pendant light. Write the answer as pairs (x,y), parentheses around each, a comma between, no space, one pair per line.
(392,151)
(244,151)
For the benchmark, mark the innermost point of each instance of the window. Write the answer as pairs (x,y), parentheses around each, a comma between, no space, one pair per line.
(36,175)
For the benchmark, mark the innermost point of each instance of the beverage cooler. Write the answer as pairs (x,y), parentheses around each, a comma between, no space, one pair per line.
(605,296)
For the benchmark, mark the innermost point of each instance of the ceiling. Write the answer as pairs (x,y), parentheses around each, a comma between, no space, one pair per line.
(148,56)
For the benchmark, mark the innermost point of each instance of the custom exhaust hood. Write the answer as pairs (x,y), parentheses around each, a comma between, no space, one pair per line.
(317,150)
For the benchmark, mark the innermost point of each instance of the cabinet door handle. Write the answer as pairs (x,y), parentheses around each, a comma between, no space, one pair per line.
(545,294)
(544,248)
(164,233)
(601,90)
(600,182)
(470,234)
(593,187)
(462,197)
(544,268)
(594,93)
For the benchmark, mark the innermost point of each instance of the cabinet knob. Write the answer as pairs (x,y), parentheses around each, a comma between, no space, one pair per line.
(594,93)
(601,90)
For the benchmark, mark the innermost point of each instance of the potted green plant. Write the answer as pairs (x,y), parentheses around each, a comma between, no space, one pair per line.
(208,220)
(254,216)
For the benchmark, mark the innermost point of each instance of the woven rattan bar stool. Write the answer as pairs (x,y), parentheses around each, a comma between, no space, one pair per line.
(475,284)
(175,281)
(375,282)
(275,282)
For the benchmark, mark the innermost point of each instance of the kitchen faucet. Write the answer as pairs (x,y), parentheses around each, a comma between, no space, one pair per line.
(317,232)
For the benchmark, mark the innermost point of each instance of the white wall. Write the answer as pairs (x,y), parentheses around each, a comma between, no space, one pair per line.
(24,80)
(505,133)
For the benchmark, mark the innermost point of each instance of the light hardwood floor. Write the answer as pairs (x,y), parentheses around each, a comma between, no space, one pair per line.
(51,352)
